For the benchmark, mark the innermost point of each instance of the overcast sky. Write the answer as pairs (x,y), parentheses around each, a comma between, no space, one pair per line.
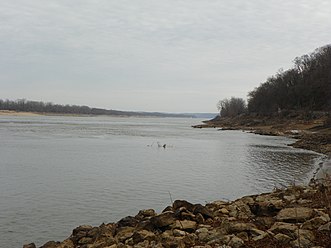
(152,55)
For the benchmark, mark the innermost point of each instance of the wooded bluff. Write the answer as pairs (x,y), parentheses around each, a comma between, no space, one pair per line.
(306,86)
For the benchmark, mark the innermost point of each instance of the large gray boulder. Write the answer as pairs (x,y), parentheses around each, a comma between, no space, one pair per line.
(294,215)
(163,220)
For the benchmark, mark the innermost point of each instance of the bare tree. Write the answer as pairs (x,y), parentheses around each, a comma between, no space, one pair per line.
(305,87)
(231,107)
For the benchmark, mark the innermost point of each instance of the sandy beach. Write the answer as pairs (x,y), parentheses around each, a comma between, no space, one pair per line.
(15,113)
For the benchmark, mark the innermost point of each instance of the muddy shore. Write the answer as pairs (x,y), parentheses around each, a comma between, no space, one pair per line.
(311,133)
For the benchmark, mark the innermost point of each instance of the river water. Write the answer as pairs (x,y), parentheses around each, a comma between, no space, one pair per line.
(60,172)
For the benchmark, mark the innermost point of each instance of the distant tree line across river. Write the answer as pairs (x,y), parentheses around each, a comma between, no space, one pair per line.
(305,87)
(48,107)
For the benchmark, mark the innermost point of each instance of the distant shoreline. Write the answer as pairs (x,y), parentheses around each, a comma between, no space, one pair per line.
(17,113)
(22,113)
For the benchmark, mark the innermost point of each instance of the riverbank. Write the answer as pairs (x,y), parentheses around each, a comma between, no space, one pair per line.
(15,113)
(311,133)
(20,113)
(298,216)
(251,221)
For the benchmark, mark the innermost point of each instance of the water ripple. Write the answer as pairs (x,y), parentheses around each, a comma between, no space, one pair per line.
(70,171)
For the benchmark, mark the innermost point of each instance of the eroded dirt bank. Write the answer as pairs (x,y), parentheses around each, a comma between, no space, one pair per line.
(312,133)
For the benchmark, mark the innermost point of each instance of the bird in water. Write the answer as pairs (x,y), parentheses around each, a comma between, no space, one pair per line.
(159,145)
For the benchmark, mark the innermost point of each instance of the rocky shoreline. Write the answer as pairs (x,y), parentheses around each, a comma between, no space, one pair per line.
(297,216)
(312,133)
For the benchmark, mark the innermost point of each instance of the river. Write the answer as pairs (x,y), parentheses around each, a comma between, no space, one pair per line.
(60,172)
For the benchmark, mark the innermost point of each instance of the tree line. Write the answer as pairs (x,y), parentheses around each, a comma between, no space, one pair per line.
(305,87)
(232,107)
(48,107)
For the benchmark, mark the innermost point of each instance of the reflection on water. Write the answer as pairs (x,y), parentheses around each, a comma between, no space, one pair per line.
(69,171)
(279,166)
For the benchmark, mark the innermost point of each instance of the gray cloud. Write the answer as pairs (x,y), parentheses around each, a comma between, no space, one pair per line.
(152,53)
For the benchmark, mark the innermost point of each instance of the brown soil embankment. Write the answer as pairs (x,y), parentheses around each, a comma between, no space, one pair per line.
(311,133)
